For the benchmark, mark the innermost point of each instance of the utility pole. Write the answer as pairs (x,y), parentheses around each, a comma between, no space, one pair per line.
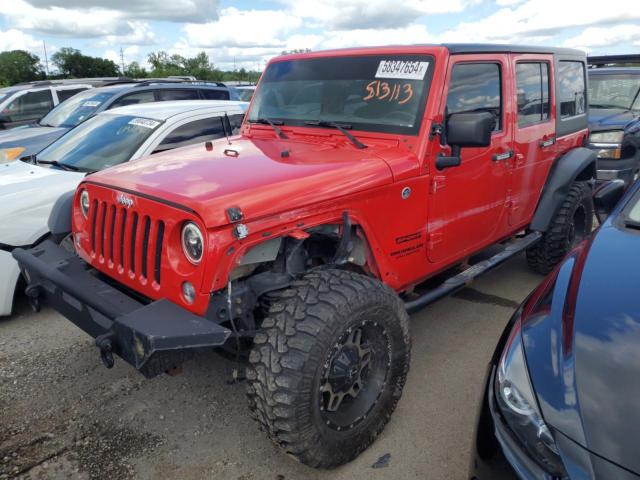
(122,60)
(46,60)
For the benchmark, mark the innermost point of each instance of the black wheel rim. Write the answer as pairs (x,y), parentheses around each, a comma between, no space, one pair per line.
(578,226)
(354,375)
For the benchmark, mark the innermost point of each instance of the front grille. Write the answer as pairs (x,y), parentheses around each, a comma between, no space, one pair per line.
(126,240)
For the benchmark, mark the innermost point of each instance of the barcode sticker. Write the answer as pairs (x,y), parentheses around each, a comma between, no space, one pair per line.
(144,122)
(406,70)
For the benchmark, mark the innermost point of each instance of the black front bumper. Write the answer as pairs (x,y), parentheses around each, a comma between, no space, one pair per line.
(152,337)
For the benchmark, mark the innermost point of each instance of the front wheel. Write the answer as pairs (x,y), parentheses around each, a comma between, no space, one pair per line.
(571,224)
(328,365)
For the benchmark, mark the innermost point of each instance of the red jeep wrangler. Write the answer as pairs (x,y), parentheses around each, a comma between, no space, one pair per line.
(364,184)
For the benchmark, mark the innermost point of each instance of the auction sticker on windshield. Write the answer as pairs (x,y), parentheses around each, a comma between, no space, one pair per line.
(144,122)
(91,103)
(406,70)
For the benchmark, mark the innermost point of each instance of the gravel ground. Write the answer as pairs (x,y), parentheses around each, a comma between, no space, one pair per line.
(63,415)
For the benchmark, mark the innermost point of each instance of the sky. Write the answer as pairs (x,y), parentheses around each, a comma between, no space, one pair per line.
(246,33)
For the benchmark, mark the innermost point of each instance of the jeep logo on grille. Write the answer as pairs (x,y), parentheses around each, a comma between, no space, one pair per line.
(125,201)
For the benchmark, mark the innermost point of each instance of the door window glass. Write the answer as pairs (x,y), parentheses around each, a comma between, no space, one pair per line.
(571,89)
(192,132)
(164,95)
(532,84)
(211,94)
(30,106)
(475,87)
(68,93)
(134,98)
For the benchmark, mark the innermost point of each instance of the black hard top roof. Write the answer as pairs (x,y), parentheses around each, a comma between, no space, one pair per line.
(457,48)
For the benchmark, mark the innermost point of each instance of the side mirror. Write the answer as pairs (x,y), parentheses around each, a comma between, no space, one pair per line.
(466,130)
(606,197)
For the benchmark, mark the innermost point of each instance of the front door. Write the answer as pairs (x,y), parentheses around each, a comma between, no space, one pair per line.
(534,145)
(467,203)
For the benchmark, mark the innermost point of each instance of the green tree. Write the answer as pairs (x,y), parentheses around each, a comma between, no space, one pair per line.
(72,63)
(19,66)
(134,70)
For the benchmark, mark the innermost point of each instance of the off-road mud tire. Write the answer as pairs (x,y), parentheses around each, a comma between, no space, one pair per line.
(565,231)
(303,324)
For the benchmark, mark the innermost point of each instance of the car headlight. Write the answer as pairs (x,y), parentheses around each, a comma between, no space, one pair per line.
(613,136)
(519,407)
(9,154)
(192,242)
(84,203)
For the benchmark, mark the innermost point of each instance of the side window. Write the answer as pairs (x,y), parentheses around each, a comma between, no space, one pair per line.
(236,123)
(215,94)
(476,87)
(185,94)
(532,86)
(192,132)
(134,98)
(30,106)
(68,93)
(571,89)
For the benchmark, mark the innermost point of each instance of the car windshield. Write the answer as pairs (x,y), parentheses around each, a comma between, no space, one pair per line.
(245,94)
(614,91)
(77,109)
(380,93)
(100,142)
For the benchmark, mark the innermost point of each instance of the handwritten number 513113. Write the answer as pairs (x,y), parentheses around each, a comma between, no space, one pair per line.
(394,92)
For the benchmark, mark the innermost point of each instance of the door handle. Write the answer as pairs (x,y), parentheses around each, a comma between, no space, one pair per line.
(503,156)
(547,143)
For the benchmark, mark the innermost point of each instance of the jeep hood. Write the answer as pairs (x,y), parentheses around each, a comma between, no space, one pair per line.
(266,177)
(585,367)
(27,195)
(32,138)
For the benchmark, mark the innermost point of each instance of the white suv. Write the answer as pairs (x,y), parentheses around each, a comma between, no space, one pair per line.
(29,190)
(29,102)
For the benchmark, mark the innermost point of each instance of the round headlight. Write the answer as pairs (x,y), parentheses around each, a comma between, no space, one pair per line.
(192,242)
(84,203)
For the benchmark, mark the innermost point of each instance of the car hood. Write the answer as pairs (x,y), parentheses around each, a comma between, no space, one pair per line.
(585,362)
(27,195)
(610,118)
(266,177)
(31,137)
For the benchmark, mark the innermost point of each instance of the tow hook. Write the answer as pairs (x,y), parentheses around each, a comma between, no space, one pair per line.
(34,292)
(103,342)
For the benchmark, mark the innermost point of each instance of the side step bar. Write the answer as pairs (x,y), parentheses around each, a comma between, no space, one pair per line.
(462,279)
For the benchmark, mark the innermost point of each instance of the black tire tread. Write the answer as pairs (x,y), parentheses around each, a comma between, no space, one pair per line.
(299,321)
(547,253)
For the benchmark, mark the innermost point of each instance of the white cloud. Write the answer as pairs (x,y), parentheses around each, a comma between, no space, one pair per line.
(598,37)
(243,28)
(536,21)
(370,14)
(13,39)
(166,10)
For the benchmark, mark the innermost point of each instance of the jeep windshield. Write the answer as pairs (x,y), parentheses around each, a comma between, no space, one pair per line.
(377,93)
(100,142)
(76,110)
(614,91)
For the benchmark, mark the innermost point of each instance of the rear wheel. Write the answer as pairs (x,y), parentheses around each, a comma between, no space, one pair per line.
(328,366)
(571,224)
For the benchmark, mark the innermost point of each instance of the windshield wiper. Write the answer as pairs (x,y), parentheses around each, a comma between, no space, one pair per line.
(56,163)
(340,127)
(273,124)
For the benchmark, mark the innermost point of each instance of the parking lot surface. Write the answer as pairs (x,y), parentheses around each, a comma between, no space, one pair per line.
(63,415)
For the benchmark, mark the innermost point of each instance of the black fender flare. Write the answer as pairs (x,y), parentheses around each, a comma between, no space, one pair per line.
(60,217)
(577,164)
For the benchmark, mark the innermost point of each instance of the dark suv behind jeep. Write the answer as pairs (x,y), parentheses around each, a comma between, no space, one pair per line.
(614,116)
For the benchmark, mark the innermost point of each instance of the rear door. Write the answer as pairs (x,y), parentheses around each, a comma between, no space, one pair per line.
(467,202)
(534,140)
